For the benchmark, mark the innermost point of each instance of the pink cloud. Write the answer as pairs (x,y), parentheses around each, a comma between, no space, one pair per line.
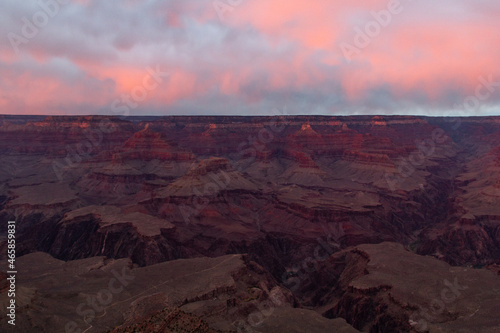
(262,50)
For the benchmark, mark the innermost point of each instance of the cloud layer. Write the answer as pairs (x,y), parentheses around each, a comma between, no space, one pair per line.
(247,57)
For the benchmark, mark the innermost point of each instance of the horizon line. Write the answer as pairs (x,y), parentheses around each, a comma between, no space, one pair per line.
(253,116)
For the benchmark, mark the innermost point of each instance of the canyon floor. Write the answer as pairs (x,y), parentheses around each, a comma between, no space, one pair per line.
(252,224)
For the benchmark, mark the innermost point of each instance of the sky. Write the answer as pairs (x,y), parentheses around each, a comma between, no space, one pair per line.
(250,57)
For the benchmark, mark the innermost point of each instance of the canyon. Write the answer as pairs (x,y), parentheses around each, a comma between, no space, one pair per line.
(254,224)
